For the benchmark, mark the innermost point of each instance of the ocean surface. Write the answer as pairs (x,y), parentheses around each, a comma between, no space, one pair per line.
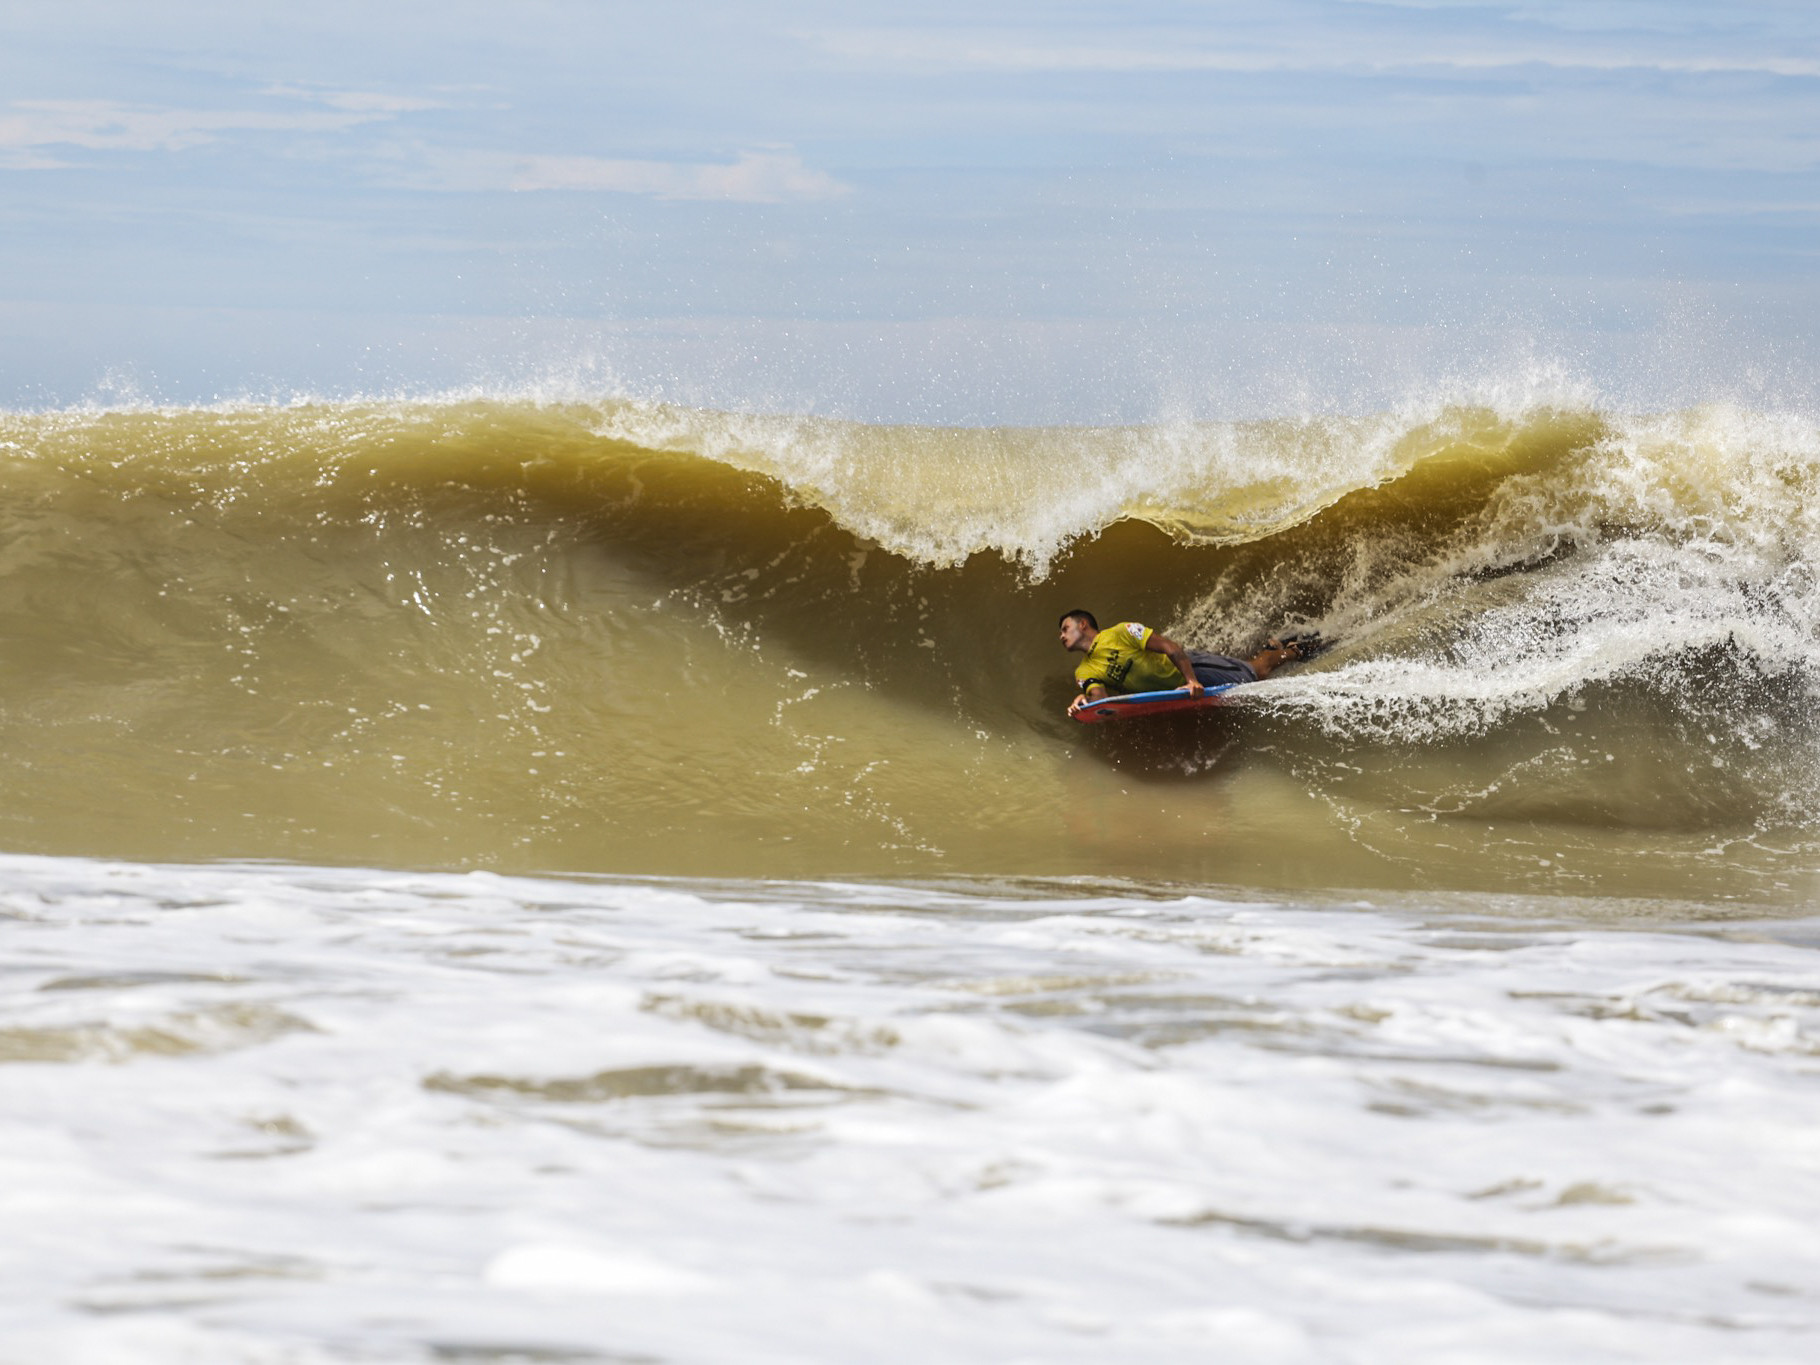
(526,877)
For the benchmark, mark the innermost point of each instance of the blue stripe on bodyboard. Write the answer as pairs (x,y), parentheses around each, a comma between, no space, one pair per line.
(1151,703)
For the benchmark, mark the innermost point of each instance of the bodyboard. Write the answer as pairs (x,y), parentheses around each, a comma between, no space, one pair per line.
(1152,704)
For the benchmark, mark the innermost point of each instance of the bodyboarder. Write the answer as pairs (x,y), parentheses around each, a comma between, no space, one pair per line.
(1130,657)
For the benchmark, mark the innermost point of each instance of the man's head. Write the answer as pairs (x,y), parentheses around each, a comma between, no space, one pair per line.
(1078,629)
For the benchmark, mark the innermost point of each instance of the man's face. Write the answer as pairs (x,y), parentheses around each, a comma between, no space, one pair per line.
(1072,631)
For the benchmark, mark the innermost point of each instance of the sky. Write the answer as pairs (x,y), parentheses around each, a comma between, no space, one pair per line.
(1012,212)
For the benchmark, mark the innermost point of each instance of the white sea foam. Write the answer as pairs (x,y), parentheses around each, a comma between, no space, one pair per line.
(267,1113)
(1673,536)
(938,495)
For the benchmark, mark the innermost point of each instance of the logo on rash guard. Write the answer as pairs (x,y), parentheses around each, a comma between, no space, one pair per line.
(1137,631)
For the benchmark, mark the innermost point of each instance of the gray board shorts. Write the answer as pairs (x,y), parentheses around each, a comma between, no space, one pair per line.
(1216,670)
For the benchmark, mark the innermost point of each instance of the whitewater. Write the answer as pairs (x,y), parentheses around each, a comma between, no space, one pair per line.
(513,877)
(268,1114)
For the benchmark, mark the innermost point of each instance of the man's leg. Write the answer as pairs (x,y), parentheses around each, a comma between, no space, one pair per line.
(1265,661)
(1218,670)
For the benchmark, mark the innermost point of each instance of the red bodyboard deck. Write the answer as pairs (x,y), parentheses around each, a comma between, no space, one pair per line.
(1152,704)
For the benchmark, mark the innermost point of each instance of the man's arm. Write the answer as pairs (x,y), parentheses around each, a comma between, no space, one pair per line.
(1093,692)
(1178,656)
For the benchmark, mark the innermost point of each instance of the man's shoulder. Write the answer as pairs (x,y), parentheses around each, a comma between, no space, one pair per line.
(1130,631)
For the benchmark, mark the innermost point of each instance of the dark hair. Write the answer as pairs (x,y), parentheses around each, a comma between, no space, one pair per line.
(1078,615)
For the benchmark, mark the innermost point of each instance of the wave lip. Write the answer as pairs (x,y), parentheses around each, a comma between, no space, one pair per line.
(938,495)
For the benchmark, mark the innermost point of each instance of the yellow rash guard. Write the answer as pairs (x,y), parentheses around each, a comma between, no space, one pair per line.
(1119,662)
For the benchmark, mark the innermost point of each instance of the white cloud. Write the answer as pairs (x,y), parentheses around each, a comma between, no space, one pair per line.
(762,177)
(1677,66)
(30,159)
(102,125)
(356,101)
(45,135)
(1019,52)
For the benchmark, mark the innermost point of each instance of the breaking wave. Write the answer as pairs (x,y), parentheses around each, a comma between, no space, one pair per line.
(617,635)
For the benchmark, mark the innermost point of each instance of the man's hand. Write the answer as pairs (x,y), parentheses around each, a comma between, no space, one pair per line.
(1091,695)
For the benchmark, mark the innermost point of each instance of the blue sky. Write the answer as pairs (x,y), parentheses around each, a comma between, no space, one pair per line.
(986,212)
